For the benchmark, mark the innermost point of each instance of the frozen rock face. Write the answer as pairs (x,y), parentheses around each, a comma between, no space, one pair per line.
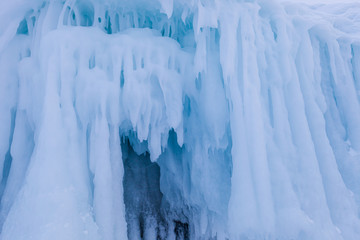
(179,119)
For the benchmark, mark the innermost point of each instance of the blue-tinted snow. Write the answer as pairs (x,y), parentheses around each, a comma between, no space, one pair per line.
(179,119)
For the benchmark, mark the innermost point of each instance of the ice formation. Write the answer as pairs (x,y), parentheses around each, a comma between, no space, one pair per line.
(179,119)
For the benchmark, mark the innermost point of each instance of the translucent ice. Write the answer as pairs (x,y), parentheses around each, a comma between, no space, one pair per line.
(179,119)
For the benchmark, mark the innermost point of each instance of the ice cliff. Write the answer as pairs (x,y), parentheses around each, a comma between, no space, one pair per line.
(179,119)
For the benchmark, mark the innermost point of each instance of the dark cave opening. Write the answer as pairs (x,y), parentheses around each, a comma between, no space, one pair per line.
(148,214)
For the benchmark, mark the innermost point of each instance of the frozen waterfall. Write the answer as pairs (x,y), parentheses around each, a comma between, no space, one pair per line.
(179,119)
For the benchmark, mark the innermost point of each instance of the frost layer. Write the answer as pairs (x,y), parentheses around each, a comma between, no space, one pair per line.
(179,120)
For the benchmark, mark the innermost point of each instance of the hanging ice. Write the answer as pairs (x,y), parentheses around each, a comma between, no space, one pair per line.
(179,119)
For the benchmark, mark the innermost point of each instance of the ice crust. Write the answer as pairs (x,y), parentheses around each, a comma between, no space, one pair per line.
(179,119)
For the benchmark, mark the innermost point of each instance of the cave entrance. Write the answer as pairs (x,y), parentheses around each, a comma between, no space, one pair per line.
(148,215)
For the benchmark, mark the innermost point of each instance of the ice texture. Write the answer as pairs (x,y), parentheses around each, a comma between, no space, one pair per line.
(179,119)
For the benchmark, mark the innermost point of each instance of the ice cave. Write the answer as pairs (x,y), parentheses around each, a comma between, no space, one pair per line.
(179,119)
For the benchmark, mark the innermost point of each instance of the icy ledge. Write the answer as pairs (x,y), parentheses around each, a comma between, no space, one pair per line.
(179,120)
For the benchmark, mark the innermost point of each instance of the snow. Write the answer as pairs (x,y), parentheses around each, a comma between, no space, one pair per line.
(179,119)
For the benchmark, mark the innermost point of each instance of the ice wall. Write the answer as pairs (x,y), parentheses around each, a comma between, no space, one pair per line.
(179,119)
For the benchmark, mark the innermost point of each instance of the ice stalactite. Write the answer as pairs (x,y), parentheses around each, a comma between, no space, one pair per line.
(179,119)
